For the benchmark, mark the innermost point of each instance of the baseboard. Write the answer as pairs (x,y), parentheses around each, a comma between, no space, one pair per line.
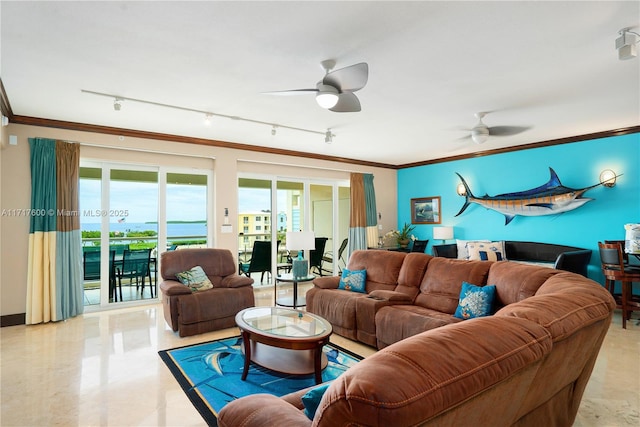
(13,319)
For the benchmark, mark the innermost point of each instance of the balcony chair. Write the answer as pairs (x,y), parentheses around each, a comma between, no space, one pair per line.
(260,261)
(91,267)
(135,265)
(614,269)
(329,258)
(316,255)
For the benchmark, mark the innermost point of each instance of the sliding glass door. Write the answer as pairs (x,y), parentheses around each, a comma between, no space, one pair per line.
(289,204)
(130,215)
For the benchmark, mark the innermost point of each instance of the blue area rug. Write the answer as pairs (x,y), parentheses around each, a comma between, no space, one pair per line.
(209,374)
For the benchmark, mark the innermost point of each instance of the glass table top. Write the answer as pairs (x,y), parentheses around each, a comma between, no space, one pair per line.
(283,322)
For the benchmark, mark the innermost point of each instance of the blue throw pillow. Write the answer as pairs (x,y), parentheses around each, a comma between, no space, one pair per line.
(311,399)
(475,301)
(353,280)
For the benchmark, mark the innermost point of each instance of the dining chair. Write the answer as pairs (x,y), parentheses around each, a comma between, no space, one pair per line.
(615,269)
(419,245)
(135,266)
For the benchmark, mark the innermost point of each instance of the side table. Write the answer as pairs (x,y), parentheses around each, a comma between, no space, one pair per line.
(288,301)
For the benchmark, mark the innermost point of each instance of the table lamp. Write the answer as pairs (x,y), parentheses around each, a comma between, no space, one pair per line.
(442,233)
(632,238)
(300,241)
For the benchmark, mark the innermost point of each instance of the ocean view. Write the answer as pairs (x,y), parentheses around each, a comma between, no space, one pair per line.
(173,229)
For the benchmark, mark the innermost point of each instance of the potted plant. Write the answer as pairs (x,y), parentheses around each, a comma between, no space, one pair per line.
(404,235)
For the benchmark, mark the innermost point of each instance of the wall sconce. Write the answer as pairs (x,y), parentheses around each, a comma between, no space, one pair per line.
(461,190)
(608,178)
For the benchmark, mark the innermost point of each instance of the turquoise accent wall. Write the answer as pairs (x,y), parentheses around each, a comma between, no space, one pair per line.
(578,165)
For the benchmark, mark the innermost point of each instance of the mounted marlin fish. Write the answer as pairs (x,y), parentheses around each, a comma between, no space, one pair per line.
(548,199)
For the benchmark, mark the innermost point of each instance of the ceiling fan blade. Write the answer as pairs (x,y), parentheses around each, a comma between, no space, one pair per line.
(350,78)
(507,130)
(291,92)
(347,103)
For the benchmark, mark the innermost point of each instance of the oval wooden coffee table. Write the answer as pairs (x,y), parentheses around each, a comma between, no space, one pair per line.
(284,340)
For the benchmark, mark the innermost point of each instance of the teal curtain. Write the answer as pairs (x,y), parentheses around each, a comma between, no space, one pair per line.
(363,230)
(54,277)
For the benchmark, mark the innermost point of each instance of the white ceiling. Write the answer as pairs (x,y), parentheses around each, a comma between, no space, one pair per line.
(548,65)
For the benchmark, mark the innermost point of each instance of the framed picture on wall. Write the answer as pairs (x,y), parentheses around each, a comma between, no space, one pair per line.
(425,210)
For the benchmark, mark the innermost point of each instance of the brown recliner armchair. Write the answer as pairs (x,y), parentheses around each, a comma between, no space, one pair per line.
(192,313)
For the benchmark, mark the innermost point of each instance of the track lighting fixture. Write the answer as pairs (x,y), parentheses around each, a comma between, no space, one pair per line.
(117,105)
(328,137)
(626,44)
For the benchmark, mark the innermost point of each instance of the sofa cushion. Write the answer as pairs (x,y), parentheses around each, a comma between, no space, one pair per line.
(195,279)
(475,301)
(515,281)
(397,322)
(383,267)
(353,280)
(486,251)
(311,399)
(338,307)
(442,282)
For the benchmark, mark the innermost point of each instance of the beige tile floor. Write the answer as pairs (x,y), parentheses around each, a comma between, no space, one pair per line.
(103,369)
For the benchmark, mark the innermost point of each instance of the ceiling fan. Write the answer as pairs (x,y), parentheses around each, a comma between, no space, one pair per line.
(481,132)
(335,91)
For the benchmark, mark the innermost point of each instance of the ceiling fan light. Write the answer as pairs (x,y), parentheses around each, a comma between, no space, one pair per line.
(327,96)
(479,134)
(326,99)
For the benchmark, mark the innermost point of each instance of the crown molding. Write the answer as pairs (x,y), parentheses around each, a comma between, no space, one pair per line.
(83,127)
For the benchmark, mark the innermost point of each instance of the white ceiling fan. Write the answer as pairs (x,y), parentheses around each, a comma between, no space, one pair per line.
(481,132)
(335,91)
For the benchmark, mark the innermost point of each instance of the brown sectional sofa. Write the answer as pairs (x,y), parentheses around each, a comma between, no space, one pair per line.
(526,365)
(192,313)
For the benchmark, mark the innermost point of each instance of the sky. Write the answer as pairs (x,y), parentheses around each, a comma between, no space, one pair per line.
(138,201)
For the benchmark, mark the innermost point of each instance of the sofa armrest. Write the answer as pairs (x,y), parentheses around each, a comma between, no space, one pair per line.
(235,281)
(391,296)
(574,261)
(328,282)
(261,410)
(447,251)
(173,287)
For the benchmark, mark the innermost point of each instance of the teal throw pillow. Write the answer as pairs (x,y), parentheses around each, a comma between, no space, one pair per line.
(475,301)
(311,399)
(195,279)
(353,280)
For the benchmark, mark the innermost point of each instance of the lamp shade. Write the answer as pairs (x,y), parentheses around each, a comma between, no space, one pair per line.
(632,238)
(301,241)
(442,233)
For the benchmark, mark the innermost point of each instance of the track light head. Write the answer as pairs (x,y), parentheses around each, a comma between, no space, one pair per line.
(626,44)
(117,104)
(328,137)
(207,119)
(273,130)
